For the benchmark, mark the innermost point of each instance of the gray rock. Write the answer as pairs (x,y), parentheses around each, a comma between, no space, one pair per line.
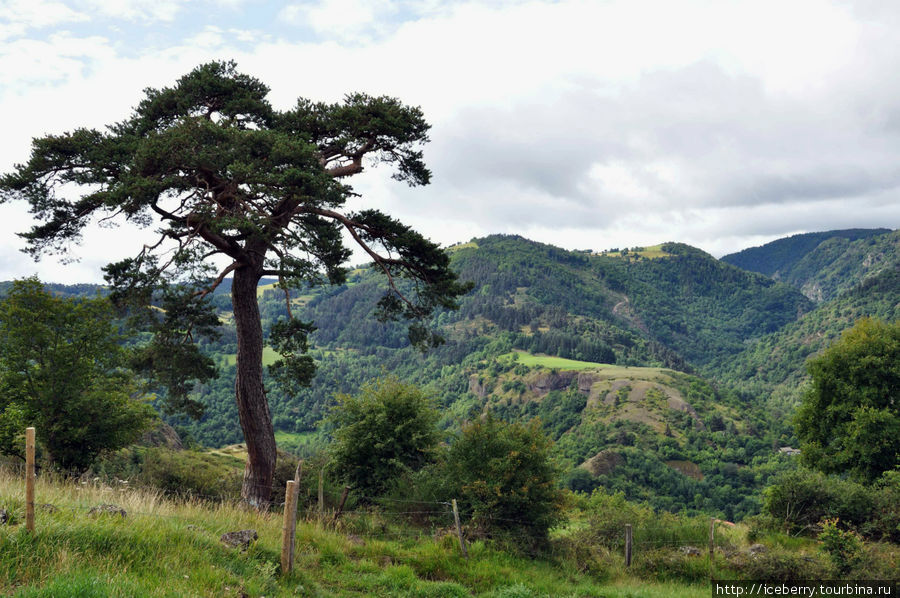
(240,539)
(107,509)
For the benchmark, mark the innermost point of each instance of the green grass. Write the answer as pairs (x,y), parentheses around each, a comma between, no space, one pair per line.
(300,443)
(559,363)
(270,356)
(652,252)
(166,548)
(265,287)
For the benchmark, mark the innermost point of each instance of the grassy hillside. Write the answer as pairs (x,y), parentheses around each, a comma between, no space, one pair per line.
(172,548)
(655,434)
(164,547)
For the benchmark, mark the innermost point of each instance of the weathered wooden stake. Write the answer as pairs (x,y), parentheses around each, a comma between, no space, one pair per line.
(628,544)
(321,496)
(29,479)
(289,528)
(340,508)
(712,543)
(459,534)
(298,473)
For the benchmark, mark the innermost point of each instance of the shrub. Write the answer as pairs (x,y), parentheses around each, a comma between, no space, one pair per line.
(189,473)
(388,430)
(885,521)
(778,565)
(800,499)
(504,478)
(843,547)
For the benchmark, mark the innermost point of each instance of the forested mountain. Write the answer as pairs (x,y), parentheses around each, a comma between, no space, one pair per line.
(774,366)
(839,264)
(614,352)
(781,255)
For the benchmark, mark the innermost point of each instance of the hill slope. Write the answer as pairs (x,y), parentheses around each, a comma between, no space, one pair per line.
(774,366)
(782,254)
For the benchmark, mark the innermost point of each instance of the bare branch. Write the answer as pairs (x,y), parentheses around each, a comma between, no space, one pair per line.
(287,296)
(217,281)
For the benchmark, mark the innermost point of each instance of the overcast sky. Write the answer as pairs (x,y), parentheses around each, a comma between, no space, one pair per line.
(585,124)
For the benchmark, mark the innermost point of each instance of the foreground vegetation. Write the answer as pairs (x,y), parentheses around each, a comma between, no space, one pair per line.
(172,548)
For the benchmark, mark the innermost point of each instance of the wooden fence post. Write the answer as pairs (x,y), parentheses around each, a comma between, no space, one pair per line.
(340,508)
(628,544)
(29,479)
(289,528)
(459,534)
(321,495)
(712,543)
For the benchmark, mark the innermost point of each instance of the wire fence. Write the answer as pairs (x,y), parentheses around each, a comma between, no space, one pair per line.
(368,518)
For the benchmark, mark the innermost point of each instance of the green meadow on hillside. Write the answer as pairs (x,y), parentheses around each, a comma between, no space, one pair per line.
(560,363)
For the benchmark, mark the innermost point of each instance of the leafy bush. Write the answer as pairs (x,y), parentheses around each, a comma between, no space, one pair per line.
(778,565)
(504,478)
(849,420)
(843,547)
(884,523)
(802,498)
(387,430)
(63,370)
(189,473)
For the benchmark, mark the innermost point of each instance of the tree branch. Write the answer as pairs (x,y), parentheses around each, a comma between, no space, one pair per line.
(217,281)
(380,260)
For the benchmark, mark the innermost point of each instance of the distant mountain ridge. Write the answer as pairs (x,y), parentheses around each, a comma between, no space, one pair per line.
(779,258)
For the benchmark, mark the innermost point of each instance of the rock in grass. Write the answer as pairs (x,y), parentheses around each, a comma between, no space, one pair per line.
(107,509)
(757,549)
(240,539)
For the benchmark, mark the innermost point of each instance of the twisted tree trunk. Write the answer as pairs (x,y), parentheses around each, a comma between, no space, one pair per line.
(253,408)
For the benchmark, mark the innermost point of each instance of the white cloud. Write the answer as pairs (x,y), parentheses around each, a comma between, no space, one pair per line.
(21,15)
(137,10)
(346,20)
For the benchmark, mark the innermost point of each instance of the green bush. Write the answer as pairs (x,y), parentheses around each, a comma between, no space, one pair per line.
(885,521)
(778,565)
(386,431)
(800,499)
(504,478)
(189,473)
(849,420)
(843,547)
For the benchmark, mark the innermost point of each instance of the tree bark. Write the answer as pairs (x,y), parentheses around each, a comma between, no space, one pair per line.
(253,408)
